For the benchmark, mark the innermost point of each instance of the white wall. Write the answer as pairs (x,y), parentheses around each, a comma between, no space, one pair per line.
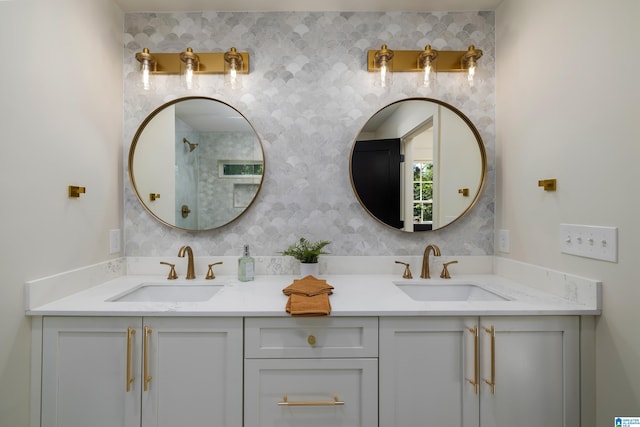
(60,124)
(566,108)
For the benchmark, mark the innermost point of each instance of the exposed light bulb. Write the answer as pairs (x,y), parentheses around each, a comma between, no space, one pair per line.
(471,72)
(188,75)
(233,69)
(426,62)
(382,61)
(470,59)
(426,80)
(146,68)
(145,71)
(232,77)
(384,75)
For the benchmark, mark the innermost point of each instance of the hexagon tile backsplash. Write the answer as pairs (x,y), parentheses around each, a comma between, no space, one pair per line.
(308,95)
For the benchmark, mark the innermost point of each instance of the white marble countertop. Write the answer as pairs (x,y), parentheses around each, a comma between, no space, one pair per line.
(354,295)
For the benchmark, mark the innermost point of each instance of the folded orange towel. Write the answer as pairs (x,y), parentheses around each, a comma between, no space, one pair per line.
(301,305)
(308,286)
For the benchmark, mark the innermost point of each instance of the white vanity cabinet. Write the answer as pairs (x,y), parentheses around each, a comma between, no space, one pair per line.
(312,372)
(486,372)
(400,371)
(149,372)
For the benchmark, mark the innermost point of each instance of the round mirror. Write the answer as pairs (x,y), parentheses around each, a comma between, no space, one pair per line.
(196,163)
(418,164)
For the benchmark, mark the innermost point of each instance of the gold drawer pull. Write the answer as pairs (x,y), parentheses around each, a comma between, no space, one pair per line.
(130,378)
(145,354)
(492,381)
(311,340)
(334,402)
(476,362)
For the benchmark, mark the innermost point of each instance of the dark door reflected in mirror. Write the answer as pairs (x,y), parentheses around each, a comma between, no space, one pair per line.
(418,164)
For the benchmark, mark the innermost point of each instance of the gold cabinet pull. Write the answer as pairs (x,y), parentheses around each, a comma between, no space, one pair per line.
(311,340)
(334,402)
(492,381)
(145,350)
(476,360)
(130,333)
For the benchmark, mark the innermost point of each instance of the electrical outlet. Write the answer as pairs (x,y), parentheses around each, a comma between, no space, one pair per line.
(589,241)
(114,241)
(503,241)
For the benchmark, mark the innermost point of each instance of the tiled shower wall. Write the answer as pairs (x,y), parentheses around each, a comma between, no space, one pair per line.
(308,95)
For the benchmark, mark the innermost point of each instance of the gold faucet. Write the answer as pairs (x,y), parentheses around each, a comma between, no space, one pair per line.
(425,260)
(191,274)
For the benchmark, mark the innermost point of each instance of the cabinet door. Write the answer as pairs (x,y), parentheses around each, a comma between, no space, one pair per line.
(195,370)
(534,365)
(86,364)
(428,367)
(311,392)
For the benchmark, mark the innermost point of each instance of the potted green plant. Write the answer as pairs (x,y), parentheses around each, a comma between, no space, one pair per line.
(307,253)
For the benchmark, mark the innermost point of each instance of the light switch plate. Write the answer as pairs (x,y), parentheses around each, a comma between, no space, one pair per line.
(589,241)
(503,241)
(114,241)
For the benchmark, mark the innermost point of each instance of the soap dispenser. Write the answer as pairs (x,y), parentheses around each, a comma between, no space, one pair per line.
(246,266)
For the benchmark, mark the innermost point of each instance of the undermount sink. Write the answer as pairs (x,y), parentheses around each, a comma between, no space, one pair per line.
(448,292)
(160,292)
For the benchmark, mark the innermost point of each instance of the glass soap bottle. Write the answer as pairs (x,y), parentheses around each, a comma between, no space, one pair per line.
(246,266)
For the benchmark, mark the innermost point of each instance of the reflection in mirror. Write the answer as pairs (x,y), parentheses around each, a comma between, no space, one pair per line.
(418,164)
(196,164)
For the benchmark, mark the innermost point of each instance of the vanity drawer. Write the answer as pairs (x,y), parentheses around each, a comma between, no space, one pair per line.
(311,337)
(311,392)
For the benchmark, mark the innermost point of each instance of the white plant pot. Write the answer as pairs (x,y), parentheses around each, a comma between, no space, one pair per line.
(309,269)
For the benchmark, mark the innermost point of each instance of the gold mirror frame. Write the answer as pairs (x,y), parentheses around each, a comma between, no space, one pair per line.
(147,199)
(473,198)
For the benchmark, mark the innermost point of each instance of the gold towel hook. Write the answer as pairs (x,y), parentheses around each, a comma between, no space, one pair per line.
(547,184)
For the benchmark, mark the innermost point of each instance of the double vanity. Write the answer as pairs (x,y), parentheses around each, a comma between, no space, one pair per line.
(474,350)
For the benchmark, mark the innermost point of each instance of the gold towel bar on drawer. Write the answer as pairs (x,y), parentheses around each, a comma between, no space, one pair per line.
(334,402)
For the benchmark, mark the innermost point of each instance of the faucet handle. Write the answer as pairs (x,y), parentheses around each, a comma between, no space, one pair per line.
(210,275)
(407,271)
(172,272)
(445,270)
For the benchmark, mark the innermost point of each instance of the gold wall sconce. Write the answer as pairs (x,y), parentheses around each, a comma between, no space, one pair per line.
(75,191)
(547,184)
(190,64)
(428,62)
